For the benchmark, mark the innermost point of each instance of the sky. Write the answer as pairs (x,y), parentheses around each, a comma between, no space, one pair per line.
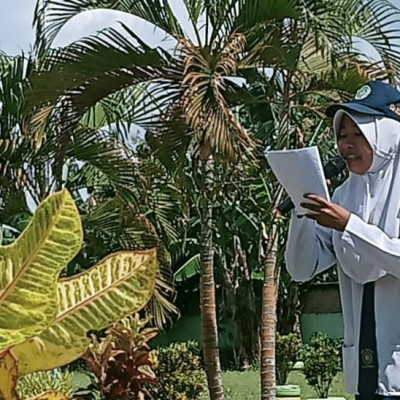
(17,35)
(16,32)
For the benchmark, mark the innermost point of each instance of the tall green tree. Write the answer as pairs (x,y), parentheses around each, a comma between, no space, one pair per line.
(190,86)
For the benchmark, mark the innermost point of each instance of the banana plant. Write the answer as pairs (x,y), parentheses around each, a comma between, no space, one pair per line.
(44,320)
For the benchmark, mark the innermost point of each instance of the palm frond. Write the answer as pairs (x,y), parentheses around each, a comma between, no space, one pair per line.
(378,22)
(123,227)
(13,85)
(120,110)
(205,107)
(228,17)
(111,159)
(249,14)
(90,70)
(170,138)
(195,9)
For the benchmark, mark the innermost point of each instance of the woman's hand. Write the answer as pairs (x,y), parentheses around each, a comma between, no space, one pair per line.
(327,213)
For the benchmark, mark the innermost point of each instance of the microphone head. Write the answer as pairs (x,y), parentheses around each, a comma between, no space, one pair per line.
(334,167)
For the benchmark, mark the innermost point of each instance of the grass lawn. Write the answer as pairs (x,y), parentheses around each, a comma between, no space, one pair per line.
(246,385)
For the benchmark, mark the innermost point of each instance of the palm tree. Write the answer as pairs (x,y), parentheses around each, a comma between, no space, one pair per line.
(190,89)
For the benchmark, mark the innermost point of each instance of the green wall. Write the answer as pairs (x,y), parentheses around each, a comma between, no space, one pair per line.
(189,328)
(331,324)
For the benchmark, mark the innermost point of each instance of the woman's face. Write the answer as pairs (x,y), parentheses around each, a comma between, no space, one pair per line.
(354,147)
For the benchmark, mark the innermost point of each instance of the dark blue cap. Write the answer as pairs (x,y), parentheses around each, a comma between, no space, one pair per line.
(374,98)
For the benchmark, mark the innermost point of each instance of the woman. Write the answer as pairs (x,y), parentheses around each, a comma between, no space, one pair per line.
(359,231)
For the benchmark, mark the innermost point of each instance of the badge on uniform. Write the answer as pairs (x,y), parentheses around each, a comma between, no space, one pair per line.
(367,358)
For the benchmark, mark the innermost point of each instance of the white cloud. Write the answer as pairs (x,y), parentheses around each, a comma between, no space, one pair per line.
(90,22)
(16,33)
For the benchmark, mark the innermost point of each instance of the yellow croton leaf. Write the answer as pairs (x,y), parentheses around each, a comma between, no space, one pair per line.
(118,286)
(30,267)
(8,377)
(51,395)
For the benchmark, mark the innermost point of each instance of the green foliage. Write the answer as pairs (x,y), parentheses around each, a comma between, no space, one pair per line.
(34,384)
(286,352)
(85,386)
(322,361)
(180,373)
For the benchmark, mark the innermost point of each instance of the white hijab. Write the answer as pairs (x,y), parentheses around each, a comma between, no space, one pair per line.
(375,195)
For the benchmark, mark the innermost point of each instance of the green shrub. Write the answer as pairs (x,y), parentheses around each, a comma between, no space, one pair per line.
(180,372)
(287,348)
(86,386)
(322,361)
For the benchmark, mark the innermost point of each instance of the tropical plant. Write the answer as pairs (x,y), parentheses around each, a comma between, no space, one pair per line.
(287,352)
(122,361)
(35,384)
(196,108)
(44,320)
(84,382)
(236,260)
(118,194)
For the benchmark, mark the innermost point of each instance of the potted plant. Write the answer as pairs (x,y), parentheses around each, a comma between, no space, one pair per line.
(322,361)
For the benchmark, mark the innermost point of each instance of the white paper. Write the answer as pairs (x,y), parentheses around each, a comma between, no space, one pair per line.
(299,171)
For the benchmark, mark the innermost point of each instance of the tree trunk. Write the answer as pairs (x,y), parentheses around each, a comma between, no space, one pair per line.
(207,289)
(246,317)
(268,253)
(288,309)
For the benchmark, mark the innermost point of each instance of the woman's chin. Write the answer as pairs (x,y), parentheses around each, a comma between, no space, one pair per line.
(358,171)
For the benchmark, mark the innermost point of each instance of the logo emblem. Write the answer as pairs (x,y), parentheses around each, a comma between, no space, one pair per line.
(363,92)
(367,357)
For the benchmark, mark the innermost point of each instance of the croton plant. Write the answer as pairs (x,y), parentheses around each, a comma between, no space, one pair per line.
(44,320)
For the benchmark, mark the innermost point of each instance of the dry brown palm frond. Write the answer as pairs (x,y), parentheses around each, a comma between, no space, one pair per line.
(204,105)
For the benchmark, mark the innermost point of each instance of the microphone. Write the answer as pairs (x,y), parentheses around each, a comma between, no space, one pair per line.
(334,167)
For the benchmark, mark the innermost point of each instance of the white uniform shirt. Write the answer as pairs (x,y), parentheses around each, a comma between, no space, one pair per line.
(368,250)
(367,246)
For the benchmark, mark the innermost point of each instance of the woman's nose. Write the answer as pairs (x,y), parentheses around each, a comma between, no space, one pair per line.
(348,143)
